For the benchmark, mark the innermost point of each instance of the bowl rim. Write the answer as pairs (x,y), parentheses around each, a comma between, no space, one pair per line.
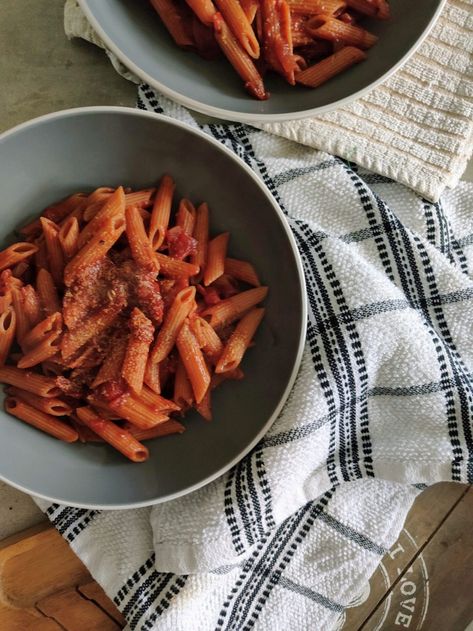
(243,117)
(129,111)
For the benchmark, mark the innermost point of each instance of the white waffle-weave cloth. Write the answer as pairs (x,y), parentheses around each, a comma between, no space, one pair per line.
(416,128)
(383,405)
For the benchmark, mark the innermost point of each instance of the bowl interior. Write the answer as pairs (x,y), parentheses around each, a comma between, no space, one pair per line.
(134,31)
(80,150)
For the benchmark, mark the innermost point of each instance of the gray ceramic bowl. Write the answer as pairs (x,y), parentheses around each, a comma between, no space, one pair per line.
(75,150)
(133,31)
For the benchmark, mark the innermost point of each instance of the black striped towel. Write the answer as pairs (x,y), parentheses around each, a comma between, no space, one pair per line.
(383,401)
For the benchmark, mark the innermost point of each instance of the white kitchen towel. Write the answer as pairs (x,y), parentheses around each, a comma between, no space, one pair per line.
(383,405)
(416,128)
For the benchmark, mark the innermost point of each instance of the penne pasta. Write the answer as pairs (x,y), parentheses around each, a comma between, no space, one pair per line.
(45,422)
(207,338)
(46,349)
(163,429)
(161,212)
(176,315)
(7,332)
(31,305)
(174,268)
(121,336)
(237,21)
(137,350)
(217,252)
(113,208)
(37,334)
(174,20)
(327,27)
(232,308)
(314,7)
(16,253)
(185,216)
(241,270)
(250,7)
(52,406)
(47,292)
(239,341)
(54,250)
(139,242)
(193,361)
(239,58)
(118,437)
(204,10)
(69,238)
(183,395)
(324,70)
(201,235)
(30,381)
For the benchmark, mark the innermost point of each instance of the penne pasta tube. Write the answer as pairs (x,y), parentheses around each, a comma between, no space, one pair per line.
(68,237)
(95,249)
(314,7)
(16,253)
(207,338)
(45,422)
(59,211)
(178,312)
(54,250)
(163,429)
(120,438)
(47,292)
(22,324)
(41,256)
(135,412)
(137,350)
(155,401)
(42,329)
(185,216)
(7,332)
(204,408)
(174,20)
(152,376)
(327,27)
(194,362)
(113,208)
(52,406)
(30,381)
(140,199)
(31,305)
(46,349)
(161,212)
(201,235)
(204,10)
(237,21)
(183,395)
(239,341)
(175,268)
(241,270)
(250,7)
(138,240)
(217,251)
(239,58)
(232,308)
(324,70)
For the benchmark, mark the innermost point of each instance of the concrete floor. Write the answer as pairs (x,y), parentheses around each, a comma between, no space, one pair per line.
(41,72)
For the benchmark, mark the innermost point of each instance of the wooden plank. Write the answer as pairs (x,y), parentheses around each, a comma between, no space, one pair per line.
(75,613)
(426,516)
(434,592)
(94,592)
(38,565)
(26,620)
